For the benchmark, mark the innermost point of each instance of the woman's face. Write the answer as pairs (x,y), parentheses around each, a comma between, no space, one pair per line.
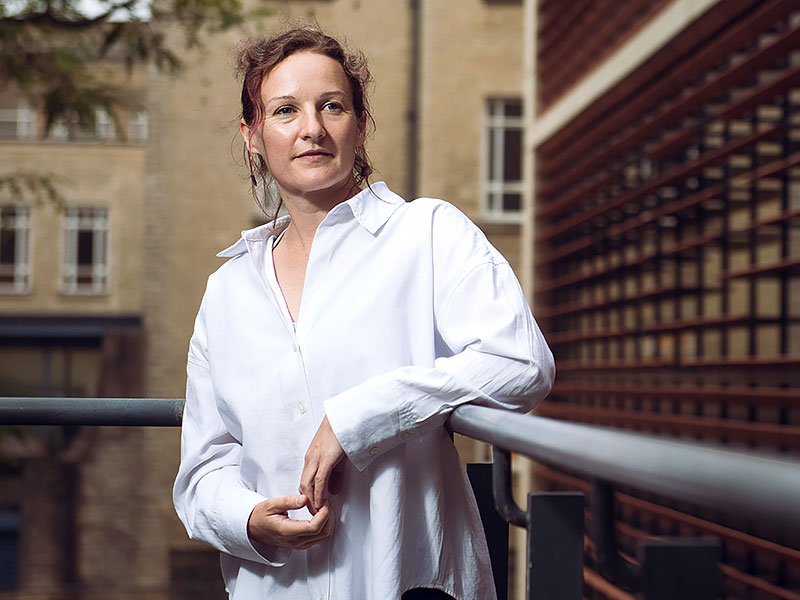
(310,130)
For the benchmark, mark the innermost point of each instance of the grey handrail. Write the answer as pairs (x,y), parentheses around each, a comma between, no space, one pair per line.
(146,412)
(755,486)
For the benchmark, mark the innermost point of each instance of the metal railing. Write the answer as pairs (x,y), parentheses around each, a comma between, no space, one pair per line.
(759,487)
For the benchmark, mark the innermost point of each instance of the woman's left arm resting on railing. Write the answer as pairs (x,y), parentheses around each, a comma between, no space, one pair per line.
(498,357)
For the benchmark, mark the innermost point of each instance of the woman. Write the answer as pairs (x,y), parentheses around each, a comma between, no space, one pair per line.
(328,352)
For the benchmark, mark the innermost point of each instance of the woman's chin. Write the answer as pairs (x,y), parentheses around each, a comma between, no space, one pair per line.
(320,187)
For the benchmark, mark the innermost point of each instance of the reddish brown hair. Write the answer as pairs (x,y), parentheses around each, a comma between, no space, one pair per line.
(258,57)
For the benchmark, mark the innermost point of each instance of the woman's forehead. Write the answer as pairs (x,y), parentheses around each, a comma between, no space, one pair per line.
(305,73)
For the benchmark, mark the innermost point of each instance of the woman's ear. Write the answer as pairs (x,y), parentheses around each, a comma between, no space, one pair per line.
(362,129)
(246,135)
(250,137)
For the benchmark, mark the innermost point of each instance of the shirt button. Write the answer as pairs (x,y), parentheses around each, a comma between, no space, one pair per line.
(406,435)
(294,348)
(373,451)
(301,408)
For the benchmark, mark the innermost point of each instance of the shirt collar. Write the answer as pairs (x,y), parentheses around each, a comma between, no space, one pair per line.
(371,207)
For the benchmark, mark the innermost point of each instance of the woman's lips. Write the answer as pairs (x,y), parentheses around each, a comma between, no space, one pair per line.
(313,155)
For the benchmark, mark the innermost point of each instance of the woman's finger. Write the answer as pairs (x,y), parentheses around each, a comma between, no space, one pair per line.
(307,479)
(321,483)
(323,454)
(283,504)
(304,534)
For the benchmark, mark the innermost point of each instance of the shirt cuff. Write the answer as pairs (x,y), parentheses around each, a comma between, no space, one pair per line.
(233,527)
(366,430)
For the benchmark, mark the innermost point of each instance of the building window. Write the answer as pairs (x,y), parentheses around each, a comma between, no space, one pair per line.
(59,130)
(9,549)
(14,249)
(138,126)
(103,125)
(85,265)
(68,128)
(502,184)
(18,122)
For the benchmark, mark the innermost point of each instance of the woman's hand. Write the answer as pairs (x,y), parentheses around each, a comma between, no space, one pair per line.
(322,456)
(270,524)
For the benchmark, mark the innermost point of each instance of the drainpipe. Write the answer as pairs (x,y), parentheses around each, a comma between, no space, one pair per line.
(412,116)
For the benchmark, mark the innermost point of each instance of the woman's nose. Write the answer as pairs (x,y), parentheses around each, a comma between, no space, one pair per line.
(311,126)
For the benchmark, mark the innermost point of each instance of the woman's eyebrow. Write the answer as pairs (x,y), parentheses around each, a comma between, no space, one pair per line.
(324,95)
(279,99)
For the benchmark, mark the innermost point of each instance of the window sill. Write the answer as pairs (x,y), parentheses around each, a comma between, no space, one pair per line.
(86,293)
(491,226)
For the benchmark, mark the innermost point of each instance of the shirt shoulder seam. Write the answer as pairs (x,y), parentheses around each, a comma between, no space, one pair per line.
(492,261)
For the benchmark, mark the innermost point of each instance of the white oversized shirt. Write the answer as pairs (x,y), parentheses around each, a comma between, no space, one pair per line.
(407,311)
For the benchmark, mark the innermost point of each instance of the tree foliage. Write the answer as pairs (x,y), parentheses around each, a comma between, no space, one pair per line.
(52,52)
(50,49)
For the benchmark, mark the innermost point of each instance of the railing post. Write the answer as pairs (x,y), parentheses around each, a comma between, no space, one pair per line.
(613,566)
(685,568)
(554,523)
(555,546)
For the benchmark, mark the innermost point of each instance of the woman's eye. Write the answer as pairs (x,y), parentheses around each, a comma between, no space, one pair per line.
(333,106)
(284,110)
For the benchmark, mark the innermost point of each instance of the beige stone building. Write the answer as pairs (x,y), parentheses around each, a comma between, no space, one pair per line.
(99,298)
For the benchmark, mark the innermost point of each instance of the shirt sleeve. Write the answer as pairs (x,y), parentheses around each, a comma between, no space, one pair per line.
(498,357)
(209,496)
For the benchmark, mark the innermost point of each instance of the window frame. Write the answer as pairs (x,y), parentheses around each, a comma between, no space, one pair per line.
(21,270)
(493,185)
(74,221)
(22,118)
(104,127)
(138,126)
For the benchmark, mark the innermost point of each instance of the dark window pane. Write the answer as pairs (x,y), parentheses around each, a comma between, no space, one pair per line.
(85,246)
(512,160)
(512,202)
(9,550)
(513,108)
(8,246)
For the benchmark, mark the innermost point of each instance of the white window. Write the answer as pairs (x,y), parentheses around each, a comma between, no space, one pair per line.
(84,269)
(18,122)
(69,128)
(502,182)
(59,130)
(26,121)
(15,266)
(103,125)
(138,126)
